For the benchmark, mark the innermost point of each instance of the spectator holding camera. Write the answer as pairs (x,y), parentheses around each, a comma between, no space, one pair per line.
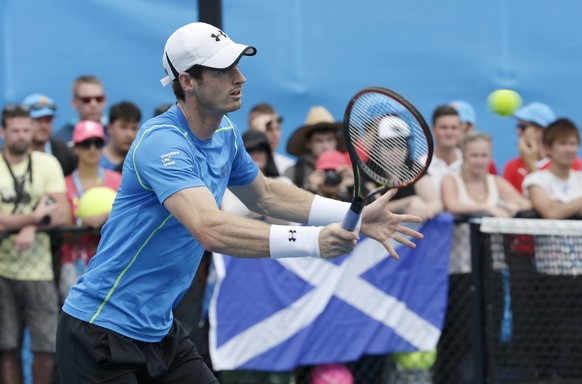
(333,176)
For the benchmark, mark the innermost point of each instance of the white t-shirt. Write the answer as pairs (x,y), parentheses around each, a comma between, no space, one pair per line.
(557,189)
(439,168)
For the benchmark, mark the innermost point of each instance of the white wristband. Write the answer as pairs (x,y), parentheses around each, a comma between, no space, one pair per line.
(294,241)
(325,211)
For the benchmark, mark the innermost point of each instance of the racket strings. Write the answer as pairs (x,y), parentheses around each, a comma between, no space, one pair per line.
(389,140)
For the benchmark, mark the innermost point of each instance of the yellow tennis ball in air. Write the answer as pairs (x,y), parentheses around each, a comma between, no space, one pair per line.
(504,102)
(96,201)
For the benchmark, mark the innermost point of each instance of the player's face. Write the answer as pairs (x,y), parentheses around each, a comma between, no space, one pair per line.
(564,150)
(122,133)
(447,131)
(476,157)
(220,91)
(18,135)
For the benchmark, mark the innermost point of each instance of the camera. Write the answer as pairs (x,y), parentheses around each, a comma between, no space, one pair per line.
(331,178)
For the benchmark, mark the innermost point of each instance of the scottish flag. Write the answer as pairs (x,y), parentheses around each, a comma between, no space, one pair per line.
(275,315)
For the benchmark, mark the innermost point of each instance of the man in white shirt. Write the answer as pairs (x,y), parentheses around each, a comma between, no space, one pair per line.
(447,132)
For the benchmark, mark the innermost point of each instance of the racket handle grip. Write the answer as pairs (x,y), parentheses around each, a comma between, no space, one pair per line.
(352,218)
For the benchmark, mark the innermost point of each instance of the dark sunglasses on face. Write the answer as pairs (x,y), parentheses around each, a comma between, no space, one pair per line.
(87,99)
(521,126)
(86,144)
(279,119)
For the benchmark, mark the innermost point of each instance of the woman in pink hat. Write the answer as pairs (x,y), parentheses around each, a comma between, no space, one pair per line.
(89,140)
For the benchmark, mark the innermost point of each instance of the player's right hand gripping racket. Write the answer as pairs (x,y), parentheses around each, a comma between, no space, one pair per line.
(388,140)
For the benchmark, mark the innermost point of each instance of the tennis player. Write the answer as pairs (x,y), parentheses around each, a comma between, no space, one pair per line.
(117,324)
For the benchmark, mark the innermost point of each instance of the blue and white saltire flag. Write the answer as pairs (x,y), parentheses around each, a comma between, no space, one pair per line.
(275,315)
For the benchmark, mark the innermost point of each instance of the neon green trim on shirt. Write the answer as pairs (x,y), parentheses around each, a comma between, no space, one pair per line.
(118,280)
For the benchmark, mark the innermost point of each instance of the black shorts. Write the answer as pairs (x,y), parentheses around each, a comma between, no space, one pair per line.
(87,353)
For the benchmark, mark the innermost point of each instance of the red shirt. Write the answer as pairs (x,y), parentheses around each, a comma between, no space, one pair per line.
(515,170)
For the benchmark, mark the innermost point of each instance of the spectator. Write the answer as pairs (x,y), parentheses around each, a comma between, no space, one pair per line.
(320,133)
(89,139)
(89,100)
(447,132)
(33,196)
(466,115)
(124,120)
(333,176)
(556,192)
(264,118)
(473,190)
(43,110)
(532,119)
(419,198)
(469,123)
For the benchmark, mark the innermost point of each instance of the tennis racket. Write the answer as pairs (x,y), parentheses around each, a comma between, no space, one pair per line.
(388,140)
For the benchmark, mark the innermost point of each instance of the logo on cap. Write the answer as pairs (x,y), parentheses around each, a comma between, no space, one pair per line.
(217,36)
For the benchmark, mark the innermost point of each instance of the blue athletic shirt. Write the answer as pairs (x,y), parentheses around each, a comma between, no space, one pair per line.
(146,259)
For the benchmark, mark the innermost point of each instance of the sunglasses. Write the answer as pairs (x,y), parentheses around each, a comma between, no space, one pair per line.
(16,107)
(521,126)
(88,99)
(41,105)
(279,120)
(86,144)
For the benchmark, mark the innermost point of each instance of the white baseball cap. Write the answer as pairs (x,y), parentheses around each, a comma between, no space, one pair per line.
(200,44)
(392,127)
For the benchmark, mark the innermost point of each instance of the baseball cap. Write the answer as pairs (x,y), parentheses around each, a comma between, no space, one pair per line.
(537,113)
(87,129)
(465,110)
(392,127)
(40,105)
(330,160)
(200,44)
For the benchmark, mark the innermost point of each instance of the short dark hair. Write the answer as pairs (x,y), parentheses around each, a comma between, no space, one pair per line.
(560,129)
(196,72)
(443,110)
(14,110)
(126,111)
(85,79)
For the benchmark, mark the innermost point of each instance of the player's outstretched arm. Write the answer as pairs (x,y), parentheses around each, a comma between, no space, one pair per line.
(218,231)
(382,225)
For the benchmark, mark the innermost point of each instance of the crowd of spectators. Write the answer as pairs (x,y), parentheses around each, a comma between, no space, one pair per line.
(45,171)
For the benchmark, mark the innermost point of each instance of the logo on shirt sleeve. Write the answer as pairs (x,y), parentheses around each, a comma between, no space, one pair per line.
(167,158)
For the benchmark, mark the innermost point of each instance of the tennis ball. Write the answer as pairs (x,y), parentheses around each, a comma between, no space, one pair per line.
(96,201)
(420,360)
(504,102)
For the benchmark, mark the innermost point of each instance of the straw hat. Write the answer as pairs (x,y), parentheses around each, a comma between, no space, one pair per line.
(317,119)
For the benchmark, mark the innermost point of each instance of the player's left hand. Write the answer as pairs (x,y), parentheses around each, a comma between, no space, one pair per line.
(382,225)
